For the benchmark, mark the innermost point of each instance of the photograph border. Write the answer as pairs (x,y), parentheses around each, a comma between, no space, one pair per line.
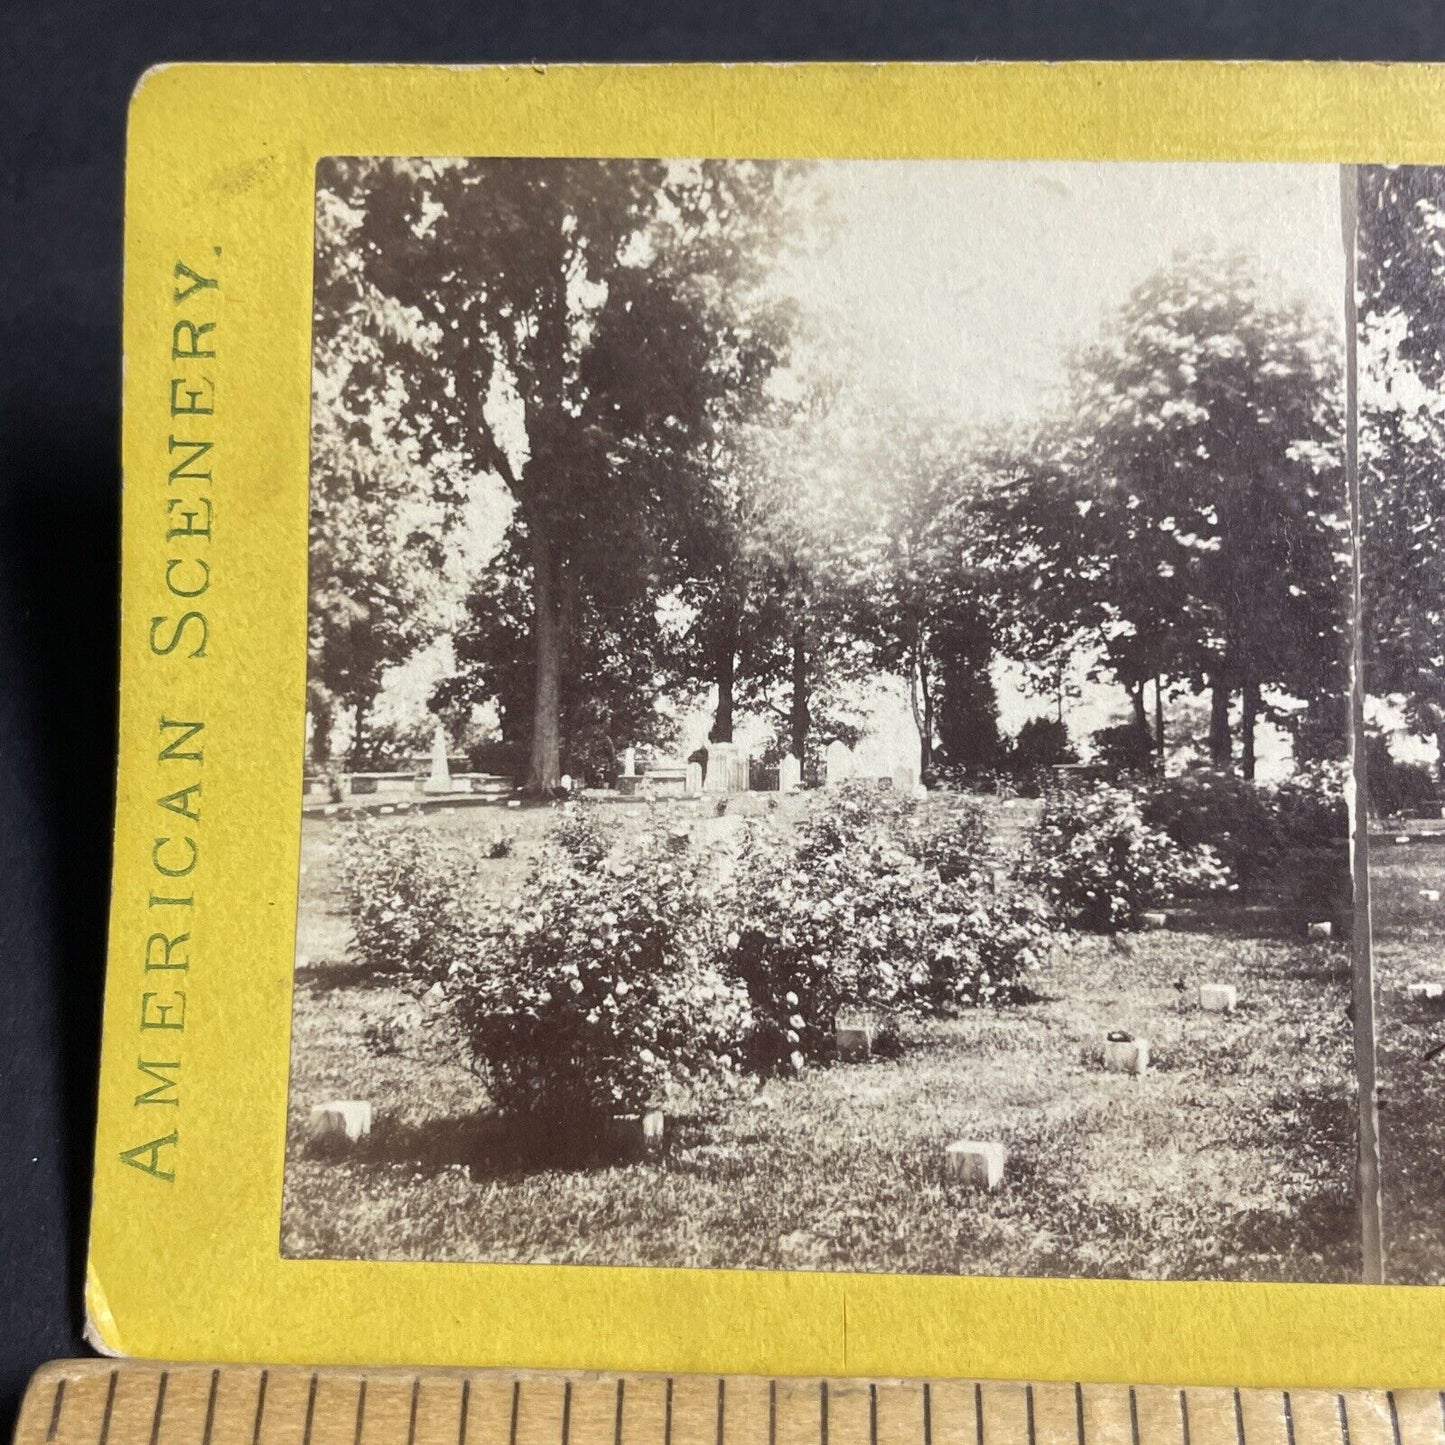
(185,1236)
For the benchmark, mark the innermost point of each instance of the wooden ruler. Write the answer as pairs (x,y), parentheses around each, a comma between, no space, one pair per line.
(100,1402)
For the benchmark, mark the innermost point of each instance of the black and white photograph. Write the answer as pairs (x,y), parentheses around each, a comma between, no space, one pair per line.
(827,738)
(1402,493)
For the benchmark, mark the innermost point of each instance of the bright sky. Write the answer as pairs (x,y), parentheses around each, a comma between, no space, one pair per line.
(966,283)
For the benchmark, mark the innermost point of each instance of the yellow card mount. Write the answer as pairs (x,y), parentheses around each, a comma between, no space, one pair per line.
(97,1402)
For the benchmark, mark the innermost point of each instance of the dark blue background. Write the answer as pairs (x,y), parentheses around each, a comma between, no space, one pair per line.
(66,72)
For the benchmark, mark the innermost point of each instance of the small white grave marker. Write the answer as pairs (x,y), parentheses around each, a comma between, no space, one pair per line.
(1154,920)
(348,1119)
(1425,990)
(1319,930)
(637,1133)
(1430,895)
(974,1163)
(1402,838)
(1218,998)
(1126,1055)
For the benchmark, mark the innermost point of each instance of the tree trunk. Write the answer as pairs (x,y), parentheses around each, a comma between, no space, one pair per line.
(544,771)
(1159,718)
(359,713)
(800,716)
(1249,712)
(1221,751)
(1141,715)
(925,733)
(724,675)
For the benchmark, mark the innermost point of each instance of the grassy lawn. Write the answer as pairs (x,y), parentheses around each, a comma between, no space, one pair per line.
(1232,1159)
(1409,937)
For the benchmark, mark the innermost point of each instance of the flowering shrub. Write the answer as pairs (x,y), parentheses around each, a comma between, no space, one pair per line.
(582,834)
(1100,865)
(1236,818)
(598,990)
(950,836)
(407,890)
(870,903)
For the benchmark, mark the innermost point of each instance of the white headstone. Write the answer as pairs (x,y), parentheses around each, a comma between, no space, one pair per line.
(790,774)
(838,758)
(1126,1056)
(694,779)
(903,778)
(1153,920)
(1424,990)
(1319,930)
(975,1163)
(629,763)
(1218,998)
(440,780)
(1430,895)
(348,1119)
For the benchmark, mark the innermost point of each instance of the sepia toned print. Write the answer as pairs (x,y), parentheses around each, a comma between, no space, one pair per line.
(827,720)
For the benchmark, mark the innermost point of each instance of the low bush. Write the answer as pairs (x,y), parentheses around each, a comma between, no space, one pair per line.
(599,990)
(583,833)
(950,836)
(1238,819)
(1101,866)
(408,891)
(871,903)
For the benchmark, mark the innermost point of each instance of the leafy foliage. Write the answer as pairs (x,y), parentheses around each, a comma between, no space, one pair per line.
(406,890)
(1100,865)
(598,990)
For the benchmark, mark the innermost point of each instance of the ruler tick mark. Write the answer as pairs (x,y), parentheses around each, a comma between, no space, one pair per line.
(721,1407)
(160,1406)
(360,1411)
(1238,1418)
(260,1408)
(666,1416)
(773,1412)
(1394,1416)
(823,1411)
(516,1402)
(54,1427)
(1344,1420)
(1184,1416)
(211,1408)
(310,1410)
(927,1414)
(617,1414)
(1133,1418)
(109,1406)
(872,1415)
(411,1419)
(566,1411)
(1079,1411)
(1029,1411)
(1288,1419)
(978,1413)
(466,1406)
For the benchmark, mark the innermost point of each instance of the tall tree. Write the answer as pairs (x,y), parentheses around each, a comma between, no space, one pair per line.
(1188,514)
(1402,442)
(562,330)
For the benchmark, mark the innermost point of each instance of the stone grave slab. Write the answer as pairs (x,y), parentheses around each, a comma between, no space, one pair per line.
(978,1164)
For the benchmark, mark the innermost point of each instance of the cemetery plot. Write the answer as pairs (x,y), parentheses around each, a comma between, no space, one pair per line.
(823,744)
(1229,1156)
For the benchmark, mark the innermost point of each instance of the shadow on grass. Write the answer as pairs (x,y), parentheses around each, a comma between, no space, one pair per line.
(491,1146)
(322,978)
